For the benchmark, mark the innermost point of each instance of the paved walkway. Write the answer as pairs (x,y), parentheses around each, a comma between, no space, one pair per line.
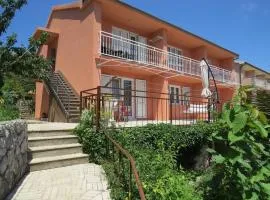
(77,182)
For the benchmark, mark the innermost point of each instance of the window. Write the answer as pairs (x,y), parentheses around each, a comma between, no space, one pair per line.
(174,92)
(174,58)
(186,95)
(125,45)
(179,94)
(53,57)
(116,83)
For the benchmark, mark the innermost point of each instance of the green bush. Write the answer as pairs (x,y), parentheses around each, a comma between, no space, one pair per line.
(92,141)
(183,142)
(8,113)
(161,151)
(241,168)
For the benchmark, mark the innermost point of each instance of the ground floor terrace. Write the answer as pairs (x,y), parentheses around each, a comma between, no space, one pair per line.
(130,96)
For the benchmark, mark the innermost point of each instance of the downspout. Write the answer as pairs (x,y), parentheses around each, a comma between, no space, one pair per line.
(240,74)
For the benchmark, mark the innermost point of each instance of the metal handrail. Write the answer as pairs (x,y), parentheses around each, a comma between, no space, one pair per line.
(55,89)
(119,47)
(132,168)
(66,92)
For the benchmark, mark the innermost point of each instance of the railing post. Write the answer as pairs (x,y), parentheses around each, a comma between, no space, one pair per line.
(208,108)
(98,109)
(223,76)
(100,42)
(170,102)
(190,66)
(81,106)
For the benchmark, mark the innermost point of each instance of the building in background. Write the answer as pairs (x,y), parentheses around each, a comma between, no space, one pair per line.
(252,75)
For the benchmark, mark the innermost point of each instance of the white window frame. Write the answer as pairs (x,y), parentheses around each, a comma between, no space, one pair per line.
(174,100)
(186,98)
(183,100)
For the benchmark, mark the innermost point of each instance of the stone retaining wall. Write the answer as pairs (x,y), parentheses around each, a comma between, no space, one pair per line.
(13,154)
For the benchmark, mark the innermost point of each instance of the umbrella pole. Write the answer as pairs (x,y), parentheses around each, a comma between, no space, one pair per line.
(217,95)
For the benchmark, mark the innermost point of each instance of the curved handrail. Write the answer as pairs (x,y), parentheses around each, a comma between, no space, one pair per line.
(132,165)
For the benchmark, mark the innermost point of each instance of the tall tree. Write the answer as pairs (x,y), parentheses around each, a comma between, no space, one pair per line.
(20,61)
(8,10)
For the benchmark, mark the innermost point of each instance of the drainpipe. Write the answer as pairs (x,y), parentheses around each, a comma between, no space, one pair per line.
(240,74)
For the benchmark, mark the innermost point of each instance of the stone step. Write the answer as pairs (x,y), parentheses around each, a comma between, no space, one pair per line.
(72,107)
(72,103)
(72,99)
(65,94)
(49,133)
(57,161)
(74,112)
(55,150)
(53,140)
(74,116)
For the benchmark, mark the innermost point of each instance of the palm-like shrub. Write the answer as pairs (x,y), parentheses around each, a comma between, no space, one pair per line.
(241,154)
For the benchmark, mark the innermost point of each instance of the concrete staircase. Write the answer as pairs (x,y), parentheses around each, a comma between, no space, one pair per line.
(54,148)
(69,100)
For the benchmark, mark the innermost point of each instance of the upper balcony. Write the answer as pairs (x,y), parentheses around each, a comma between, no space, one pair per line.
(257,82)
(133,51)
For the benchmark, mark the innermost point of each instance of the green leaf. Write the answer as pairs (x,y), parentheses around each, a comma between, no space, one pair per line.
(226,116)
(244,164)
(234,138)
(219,159)
(254,196)
(261,129)
(257,178)
(267,126)
(254,113)
(239,122)
(242,177)
(263,118)
(266,187)
(211,151)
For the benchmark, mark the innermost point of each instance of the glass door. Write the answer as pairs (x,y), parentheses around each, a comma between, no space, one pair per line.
(133,46)
(128,99)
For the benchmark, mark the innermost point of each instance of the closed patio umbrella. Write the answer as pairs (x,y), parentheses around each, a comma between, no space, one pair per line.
(205,79)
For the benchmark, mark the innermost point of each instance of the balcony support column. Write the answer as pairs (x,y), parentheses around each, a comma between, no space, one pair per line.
(159,104)
(160,41)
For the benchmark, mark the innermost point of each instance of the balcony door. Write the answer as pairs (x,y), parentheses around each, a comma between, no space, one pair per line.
(129,45)
(141,99)
(128,100)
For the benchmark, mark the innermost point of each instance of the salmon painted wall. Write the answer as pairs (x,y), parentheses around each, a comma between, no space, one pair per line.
(78,45)
(41,100)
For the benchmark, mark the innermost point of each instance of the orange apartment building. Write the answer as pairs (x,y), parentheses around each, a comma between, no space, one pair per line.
(131,54)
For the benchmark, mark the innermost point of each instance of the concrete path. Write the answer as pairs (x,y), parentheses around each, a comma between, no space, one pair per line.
(78,182)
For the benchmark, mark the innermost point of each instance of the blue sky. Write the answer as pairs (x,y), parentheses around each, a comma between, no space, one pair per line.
(242,26)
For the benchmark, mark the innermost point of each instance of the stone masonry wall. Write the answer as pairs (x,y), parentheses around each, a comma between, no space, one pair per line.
(13,155)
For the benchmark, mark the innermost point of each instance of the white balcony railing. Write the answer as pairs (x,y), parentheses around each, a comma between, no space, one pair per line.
(258,82)
(120,47)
